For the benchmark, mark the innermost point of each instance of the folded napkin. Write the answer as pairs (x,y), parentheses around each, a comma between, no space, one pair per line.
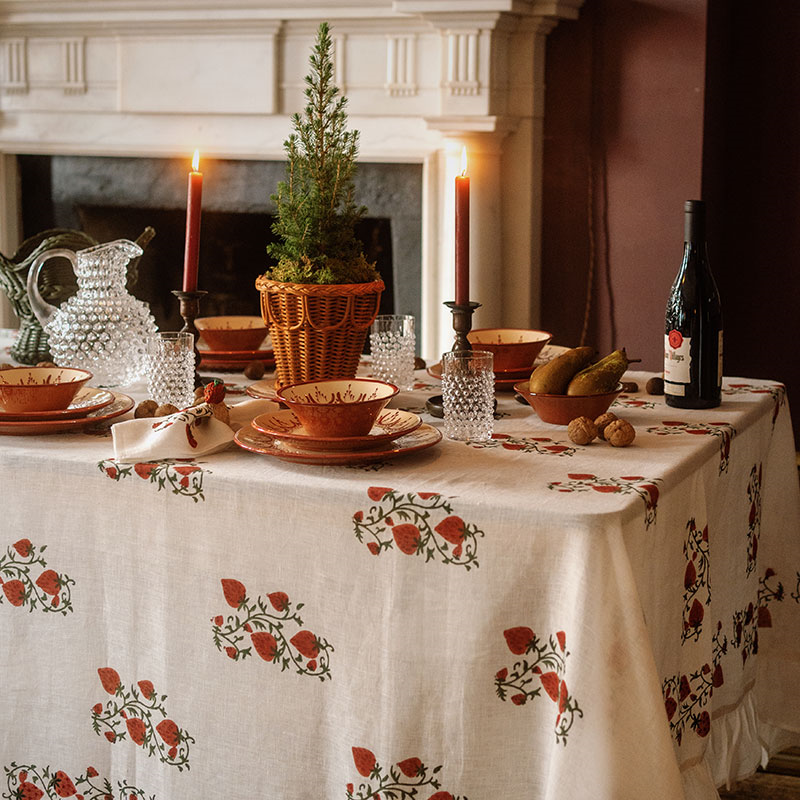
(189,433)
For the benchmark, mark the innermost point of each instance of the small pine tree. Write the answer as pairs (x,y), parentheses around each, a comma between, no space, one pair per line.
(316,211)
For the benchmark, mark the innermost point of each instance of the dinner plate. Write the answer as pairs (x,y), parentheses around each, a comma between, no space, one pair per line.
(87,399)
(257,442)
(392,423)
(118,406)
(263,390)
(504,381)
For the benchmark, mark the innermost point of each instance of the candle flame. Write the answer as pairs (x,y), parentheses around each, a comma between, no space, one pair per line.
(463,161)
(196,161)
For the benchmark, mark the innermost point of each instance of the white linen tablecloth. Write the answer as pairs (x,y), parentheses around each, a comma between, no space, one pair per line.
(520,618)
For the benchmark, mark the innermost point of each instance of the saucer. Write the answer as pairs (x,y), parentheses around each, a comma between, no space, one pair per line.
(119,405)
(392,423)
(250,439)
(87,399)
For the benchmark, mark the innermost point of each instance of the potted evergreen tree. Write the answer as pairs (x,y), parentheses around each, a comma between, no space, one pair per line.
(321,295)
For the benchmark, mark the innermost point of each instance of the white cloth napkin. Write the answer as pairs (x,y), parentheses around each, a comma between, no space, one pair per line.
(189,433)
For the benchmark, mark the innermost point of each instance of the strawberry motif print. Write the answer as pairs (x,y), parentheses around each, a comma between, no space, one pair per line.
(540,445)
(26,581)
(776,390)
(417,524)
(724,431)
(632,401)
(183,477)
(685,696)
(541,668)
(29,782)
(646,488)
(132,712)
(696,583)
(407,779)
(771,590)
(272,628)
(753,517)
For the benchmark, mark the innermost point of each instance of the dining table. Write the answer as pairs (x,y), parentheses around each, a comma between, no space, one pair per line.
(518,617)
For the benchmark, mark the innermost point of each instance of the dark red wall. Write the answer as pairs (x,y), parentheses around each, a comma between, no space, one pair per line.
(652,103)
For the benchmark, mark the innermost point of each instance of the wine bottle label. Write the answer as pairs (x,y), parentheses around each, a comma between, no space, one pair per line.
(677,361)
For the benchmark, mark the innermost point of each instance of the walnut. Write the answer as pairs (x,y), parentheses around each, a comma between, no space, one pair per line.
(165,410)
(419,363)
(147,408)
(200,392)
(4,365)
(47,364)
(602,421)
(582,430)
(221,412)
(655,386)
(620,433)
(254,370)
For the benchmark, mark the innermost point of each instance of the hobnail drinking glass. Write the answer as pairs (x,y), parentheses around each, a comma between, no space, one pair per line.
(170,368)
(392,342)
(468,395)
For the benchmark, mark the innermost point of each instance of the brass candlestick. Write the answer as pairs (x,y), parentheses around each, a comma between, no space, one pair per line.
(189,307)
(462,325)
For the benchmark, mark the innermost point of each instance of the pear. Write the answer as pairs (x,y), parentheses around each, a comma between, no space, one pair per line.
(554,376)
(601,377)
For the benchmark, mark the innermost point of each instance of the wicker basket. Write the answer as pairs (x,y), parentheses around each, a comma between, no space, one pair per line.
(317,330)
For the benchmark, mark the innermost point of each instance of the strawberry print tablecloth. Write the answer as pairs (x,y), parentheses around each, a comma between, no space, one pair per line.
(517,618)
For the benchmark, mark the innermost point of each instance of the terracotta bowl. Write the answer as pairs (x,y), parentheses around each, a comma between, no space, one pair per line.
(344,407)
(232,333)
(513,348)
(561,409)
(24,389)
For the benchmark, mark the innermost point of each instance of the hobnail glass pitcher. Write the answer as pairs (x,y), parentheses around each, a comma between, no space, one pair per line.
(102,328)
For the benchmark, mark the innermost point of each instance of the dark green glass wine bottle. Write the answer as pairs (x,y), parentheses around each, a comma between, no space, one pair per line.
(693,326)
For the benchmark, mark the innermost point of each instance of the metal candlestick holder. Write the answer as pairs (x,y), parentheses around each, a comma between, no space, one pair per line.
(189,306)
(462,325)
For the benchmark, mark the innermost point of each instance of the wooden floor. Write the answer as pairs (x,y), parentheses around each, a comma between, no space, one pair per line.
(765,786)
(781,781)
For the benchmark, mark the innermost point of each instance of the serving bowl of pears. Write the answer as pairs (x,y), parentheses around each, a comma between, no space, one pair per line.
(571,386)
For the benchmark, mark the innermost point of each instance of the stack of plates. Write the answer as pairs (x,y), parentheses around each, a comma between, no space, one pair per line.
(214,360)
(281,434)
(89,406)
(504,380)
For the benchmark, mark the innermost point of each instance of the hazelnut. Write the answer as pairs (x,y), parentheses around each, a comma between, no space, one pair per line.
(6,366)
(199,392)
(620,433)
(655,386)
(581,430)
(47,364)
(221,412)
(419,363)
(602,421)
(254,370)
(147,408)
(630,387)
(165,410)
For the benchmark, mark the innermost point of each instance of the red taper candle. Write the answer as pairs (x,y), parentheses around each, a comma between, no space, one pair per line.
(462,233)
(194,204)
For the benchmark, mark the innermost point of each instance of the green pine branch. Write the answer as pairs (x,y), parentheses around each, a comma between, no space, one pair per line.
(316,208)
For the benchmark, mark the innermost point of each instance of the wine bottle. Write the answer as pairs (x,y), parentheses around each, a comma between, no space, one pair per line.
(693,325)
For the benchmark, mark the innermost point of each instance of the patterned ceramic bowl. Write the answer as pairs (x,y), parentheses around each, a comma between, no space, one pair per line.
(514,349)
(231,333)
(561,409)
(24,389)
(344,407)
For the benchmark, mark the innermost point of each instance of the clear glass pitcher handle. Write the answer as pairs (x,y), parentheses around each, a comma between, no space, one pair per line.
(41,308)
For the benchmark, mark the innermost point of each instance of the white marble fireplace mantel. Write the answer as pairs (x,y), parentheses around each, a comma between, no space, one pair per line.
(423,78)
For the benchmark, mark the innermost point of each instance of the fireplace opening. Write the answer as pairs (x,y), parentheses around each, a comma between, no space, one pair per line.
(113,198)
